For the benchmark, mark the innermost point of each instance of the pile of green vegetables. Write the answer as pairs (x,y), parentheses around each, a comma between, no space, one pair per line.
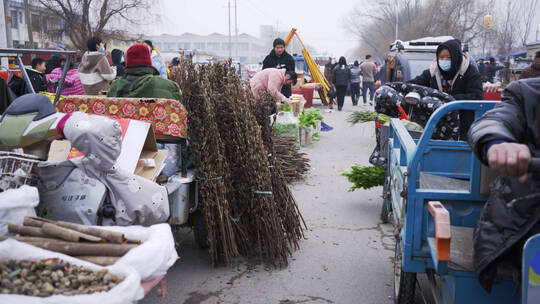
(309,117)
(365,116)
(365,177)
(286,129)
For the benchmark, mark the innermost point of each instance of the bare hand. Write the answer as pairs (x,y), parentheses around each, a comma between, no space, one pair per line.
(510,159)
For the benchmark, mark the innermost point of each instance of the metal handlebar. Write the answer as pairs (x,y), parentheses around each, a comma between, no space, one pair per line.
(534,165)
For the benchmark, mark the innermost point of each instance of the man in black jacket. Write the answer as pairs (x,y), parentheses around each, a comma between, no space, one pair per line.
(280,59)
(453,73)
(506,138)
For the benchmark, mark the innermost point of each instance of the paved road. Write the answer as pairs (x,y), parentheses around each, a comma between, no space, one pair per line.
(345,258)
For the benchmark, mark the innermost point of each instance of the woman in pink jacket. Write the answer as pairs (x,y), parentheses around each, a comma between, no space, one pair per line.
(72,83)
(272,80)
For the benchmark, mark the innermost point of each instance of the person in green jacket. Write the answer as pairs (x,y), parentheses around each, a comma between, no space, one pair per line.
(141,79)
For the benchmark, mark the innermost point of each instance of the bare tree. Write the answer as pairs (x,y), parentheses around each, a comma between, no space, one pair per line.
(105,18)
(461,19)
(529,10)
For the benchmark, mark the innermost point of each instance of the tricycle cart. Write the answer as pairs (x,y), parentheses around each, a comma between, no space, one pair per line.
(434,188)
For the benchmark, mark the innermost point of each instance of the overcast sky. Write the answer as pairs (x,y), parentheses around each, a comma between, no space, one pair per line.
(319,22)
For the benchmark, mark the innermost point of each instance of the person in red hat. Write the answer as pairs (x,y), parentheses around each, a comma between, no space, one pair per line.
(141,79)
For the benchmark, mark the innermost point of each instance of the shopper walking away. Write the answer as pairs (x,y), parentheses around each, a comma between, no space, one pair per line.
(118,62)
(280,59)
(369,73)
(452,72)
(482,69)
(157,62)
(328,69)
(341,79)
(534,70)
(94,71)
(37,74)
(72,83)
(491,70)
(355,82)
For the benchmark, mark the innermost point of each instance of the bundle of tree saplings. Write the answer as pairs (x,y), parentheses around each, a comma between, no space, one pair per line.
(98,246)
(208,153)
(242,200)
(289,159)
(44,278)
(287,206)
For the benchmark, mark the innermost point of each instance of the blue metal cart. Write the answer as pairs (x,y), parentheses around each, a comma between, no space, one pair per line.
(434,188)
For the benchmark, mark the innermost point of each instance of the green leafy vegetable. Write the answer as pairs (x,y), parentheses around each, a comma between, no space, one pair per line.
(309,117)
(286,108)
(315,137)
(365,116)
(365,176)
(286,130)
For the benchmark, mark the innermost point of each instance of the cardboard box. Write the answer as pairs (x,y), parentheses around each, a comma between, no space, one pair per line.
(138,143)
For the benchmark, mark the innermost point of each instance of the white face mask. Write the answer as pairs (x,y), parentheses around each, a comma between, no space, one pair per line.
(445,65)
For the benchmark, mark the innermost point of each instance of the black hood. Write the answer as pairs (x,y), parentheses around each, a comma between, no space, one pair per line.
(52,63)
(454,47)
(116,56)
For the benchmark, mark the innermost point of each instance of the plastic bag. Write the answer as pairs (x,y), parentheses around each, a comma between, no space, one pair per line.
(127,292)
(15,204)
(154,256)
(286,124)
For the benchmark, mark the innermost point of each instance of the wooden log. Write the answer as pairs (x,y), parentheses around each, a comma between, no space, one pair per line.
(35,221)
(68,234)
(76,249)
(111,236)
(26,230)
(99,260)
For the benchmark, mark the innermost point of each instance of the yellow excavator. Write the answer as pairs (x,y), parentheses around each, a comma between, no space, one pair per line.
(317,76)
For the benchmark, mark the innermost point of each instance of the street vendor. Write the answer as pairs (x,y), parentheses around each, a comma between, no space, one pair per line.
(272,80)
(453,73)
(505,138)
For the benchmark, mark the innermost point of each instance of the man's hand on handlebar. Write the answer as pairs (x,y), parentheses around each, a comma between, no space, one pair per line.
(510,159)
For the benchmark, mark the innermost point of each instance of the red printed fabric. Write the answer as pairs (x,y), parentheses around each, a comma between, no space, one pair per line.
(168,117)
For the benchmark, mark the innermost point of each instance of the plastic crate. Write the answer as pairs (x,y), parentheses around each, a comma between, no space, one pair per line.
(17,170)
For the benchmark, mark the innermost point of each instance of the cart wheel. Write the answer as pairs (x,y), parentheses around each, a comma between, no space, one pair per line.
(404,282)
(386,207)
(199,230)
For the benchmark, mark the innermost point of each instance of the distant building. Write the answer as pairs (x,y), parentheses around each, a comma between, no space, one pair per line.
(250,49)
(47,29)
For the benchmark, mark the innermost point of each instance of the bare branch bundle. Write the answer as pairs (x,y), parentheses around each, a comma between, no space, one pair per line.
(251,212)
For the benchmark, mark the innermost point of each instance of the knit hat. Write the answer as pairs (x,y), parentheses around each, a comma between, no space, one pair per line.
(138,55)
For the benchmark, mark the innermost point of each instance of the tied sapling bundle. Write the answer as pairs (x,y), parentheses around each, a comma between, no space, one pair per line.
(245,201)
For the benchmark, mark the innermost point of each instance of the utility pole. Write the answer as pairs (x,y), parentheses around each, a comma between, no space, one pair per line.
(28,23)
(8,26)
(397,19)
(236,31)
(230,50)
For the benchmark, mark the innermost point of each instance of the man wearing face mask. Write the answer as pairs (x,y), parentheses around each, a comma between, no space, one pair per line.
(95,71)
(452,72)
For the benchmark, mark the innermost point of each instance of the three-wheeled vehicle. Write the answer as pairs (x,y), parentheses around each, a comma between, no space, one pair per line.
(435,192)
